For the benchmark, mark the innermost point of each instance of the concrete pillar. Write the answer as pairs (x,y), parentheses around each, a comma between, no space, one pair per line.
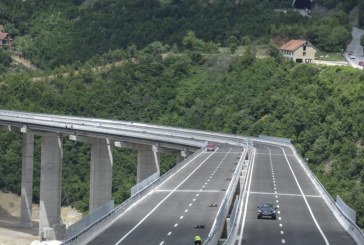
(101,173)
(50,226)
(148,162)
(27,181)
(181,156)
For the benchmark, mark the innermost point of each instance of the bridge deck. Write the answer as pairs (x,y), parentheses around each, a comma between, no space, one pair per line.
(168,215)
(278,177)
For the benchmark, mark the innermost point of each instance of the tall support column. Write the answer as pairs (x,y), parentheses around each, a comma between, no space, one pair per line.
(50,226)
(101,173)
(148,162)
(27,181)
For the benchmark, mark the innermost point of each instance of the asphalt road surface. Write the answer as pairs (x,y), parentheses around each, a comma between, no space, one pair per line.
(302,215)
(355,48)
(168,215)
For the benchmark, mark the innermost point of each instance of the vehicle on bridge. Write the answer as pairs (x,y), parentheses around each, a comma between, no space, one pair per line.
(266,209)
(211,147)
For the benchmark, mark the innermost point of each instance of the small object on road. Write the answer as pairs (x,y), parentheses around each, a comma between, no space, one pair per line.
(198,240)
(213,205)
(199,227)
(223,189)
(352,57)
(350,52)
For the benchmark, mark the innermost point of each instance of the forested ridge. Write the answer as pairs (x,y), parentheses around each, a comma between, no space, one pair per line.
(180,76)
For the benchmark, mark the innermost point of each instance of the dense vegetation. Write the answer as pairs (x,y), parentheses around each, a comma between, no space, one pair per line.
(319,108)
(187,82)
(53,33)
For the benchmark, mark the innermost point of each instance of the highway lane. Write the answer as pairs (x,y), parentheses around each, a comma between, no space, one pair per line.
(168,215)
(302,215)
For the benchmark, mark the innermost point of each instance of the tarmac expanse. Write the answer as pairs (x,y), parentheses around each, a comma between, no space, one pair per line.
(302,215)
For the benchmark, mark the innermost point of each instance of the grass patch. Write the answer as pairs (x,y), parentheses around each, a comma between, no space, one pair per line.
(330,56)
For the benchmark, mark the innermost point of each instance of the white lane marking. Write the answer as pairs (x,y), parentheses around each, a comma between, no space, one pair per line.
(279,212)
(197,194)
(283,194)
(282,232)
(277,201)
(203,186)
(194,199)
(181,217)
(304,198)
(280,218)
(190,204)
(247,199)
(280,225)
(283,241)
(276,196)
(175,225)
(163,200)
(162,242)
(169,233)
(188,191)
(186,210)
(277,206)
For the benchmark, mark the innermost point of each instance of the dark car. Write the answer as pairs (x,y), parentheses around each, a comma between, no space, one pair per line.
(266,209)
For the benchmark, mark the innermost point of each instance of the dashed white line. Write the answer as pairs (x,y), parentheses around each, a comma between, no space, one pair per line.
(181,217)
(175,225)
(194,199)
(283,241)
(186,210)
(282,232)
(190,204)
(169,233)
(162,242)
(280,218)
(280,225)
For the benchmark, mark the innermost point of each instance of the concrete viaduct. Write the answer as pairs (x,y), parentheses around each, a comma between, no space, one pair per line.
(102,135)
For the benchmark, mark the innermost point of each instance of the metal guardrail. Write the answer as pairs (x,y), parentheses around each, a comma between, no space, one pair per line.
(75,229)
(216,229)
(145,183)
(349,212)
(231,238)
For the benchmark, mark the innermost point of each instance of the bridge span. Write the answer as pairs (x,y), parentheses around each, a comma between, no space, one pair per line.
(211,194)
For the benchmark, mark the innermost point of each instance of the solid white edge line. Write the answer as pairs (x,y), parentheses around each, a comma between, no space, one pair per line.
(160,203)
(247,200)
(304,198)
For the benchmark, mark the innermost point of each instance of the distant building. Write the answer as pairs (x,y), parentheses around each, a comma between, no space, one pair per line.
(5,39)
(299,51)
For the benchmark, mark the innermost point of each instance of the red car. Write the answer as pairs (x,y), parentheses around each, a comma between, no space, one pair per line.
(361,63)
(211,147)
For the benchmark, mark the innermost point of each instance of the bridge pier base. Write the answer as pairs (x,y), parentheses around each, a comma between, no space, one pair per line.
(27,181)
(101,173)
(50,226)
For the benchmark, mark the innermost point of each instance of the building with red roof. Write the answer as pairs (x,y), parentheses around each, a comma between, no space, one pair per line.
(300,51)
(5,39)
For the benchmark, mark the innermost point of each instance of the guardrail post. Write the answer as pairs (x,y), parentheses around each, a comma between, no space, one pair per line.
(27,181)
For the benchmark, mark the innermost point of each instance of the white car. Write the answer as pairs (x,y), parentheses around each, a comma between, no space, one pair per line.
(352,57)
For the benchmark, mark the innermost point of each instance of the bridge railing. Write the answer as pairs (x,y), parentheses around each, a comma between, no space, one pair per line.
(216,230)
(103,222)
(234,219)
(346,222)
